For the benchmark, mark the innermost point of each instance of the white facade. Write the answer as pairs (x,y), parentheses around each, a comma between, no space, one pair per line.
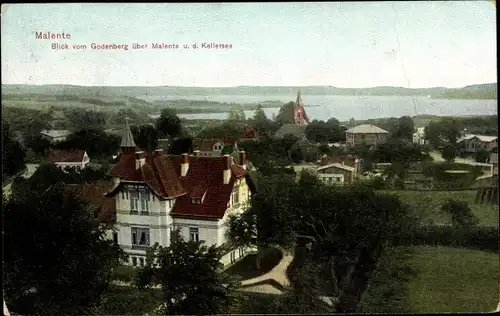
(143,219)
(419,136)
(331,178)
(78,165)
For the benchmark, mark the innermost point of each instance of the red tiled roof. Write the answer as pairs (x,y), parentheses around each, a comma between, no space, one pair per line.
(66,156)
(204,177)
(95,194)
(348,161)
(250,132)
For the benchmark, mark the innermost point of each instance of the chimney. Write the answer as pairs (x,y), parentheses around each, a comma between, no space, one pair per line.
(227,169)
(196,153)
(184,164)
(243,159)
(140,160)
(158,152)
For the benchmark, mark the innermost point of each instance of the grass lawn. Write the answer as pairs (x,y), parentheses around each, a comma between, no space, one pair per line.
(439,280)
(245,268)
(427,205)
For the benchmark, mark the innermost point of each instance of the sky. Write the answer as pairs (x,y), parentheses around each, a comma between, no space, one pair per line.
(359,44)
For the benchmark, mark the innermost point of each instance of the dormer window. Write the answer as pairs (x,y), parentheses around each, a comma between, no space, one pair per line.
(196,201)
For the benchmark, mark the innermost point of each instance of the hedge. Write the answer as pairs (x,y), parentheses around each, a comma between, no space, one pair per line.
(475,237)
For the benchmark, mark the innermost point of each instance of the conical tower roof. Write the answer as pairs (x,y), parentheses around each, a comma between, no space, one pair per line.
(127,144)
(299,111)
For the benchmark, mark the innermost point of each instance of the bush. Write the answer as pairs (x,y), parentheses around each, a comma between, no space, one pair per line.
(461,213)
(124,273)
(475,237)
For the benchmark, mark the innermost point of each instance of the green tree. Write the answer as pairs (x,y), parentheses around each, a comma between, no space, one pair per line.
(97,143)
(286,114)
(482,156)
(189,277)
(449,152)
(461,213)
(79,120)
(404,128)
(169,124)
(63,265)
(259,114)
(13,154)
(147,138)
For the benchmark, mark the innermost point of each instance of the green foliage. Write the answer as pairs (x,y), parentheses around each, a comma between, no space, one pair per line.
(181,146)
(145,137)
(79,120)
(225,130)
(169,124)
(236,115)
(449,152)
(482,156)
(286,114)
(189,277)
(30,122)
(404,128)
(124,273)
(120,300)
(13,154)
(461,213)
(98,144)
(329,131)
(64,264)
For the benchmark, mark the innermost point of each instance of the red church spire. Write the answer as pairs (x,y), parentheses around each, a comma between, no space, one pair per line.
(300,114)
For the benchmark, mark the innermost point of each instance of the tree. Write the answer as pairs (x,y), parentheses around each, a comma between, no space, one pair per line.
(38,145)
(259,114)
(236,115)
(433,134)
(13,154)
(265,223)
(181,146)
(63,265)
(147,138)
(169,124)
(461,213)
(482,155)
(286,114)
(97,143)
(80,120)
(449,152)
(189,277)
(404,128)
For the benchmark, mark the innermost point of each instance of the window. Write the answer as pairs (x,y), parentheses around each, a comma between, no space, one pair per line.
(115,237)
(196,201)
(134,261)
(140,200)
(134,201)
(232,256)
(235,196)
(140,236)
(141,261)
(194,234)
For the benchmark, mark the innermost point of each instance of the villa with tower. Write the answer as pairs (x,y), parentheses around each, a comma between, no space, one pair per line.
(156,193)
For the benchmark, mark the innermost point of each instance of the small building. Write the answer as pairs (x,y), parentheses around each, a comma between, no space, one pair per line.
(250,133)
(213,147)
(336,174)
(366,134)
(419,136)
(55,135)
(472,143)
(69,159)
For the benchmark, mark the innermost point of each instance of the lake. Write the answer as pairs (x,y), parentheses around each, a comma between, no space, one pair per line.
(323,107)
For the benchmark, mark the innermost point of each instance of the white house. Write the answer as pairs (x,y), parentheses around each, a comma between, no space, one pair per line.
(419,136)
(156,193)
(55,135)
(73,159)
(213,147)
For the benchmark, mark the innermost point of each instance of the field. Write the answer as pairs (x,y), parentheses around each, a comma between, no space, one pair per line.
(427,206)
(435,280)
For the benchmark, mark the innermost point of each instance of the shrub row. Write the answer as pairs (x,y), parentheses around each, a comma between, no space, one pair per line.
(475,237)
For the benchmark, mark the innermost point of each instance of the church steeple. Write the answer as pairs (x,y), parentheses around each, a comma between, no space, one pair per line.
(299,112)
(127,144)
